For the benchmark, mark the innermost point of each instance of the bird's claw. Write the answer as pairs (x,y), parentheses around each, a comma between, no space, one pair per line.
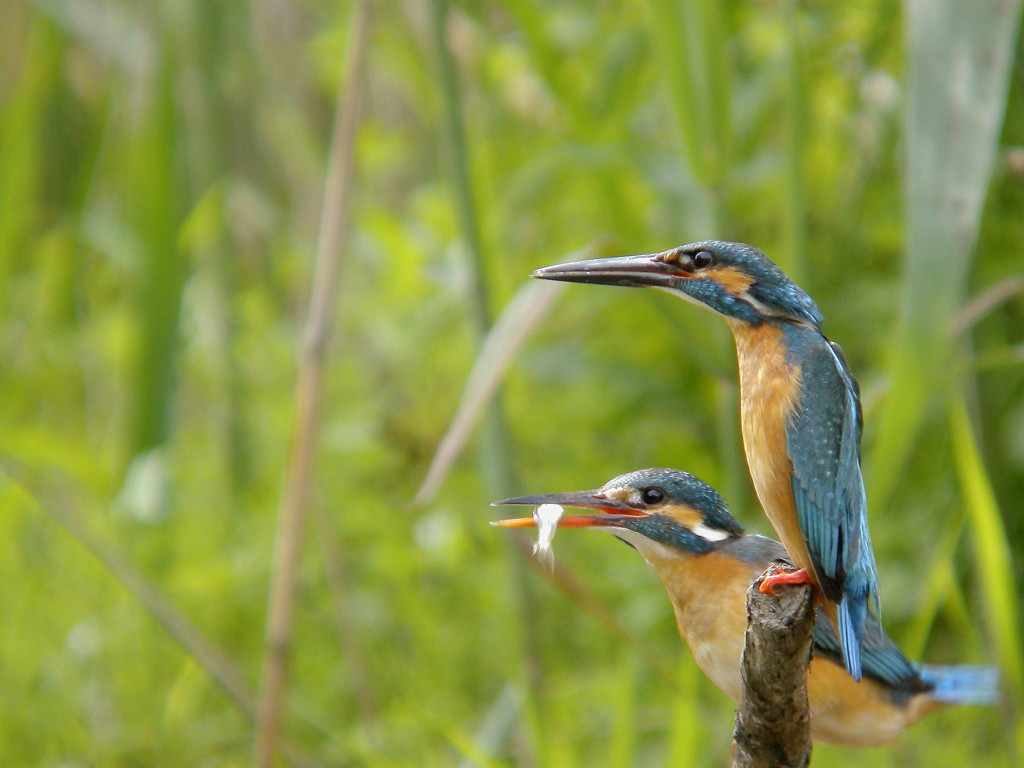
(778,574)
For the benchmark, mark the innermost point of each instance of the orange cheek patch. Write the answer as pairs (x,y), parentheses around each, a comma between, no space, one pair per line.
(690,518)
(730,278)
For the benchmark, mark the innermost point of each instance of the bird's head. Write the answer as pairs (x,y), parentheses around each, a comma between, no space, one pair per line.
(734,279)
(652,509)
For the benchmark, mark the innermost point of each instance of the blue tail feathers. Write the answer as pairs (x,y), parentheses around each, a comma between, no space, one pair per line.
(962,684)
(852,613)
(860,594)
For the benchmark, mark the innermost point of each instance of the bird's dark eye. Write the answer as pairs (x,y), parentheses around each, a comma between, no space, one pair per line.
(703,259)
(652,495)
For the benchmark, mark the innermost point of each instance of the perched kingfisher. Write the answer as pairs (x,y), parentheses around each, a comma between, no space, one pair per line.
(682,527)
(799,407)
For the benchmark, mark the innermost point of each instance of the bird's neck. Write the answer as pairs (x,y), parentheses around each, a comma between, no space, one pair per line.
(708,594)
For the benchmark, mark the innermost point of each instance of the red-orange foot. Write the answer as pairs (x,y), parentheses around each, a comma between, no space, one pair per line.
(778,576)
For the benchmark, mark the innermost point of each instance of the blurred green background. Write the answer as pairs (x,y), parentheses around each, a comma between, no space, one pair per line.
(162,168)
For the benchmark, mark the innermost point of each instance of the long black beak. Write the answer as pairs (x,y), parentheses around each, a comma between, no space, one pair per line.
(651,270)
(613,511)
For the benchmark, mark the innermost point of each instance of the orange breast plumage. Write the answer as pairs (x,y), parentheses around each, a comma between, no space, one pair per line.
(769,394)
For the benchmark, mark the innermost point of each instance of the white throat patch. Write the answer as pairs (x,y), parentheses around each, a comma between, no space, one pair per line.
(762,308)
(650,550)
(710,534)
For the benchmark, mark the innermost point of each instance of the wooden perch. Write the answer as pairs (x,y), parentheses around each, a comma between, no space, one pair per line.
(773,724)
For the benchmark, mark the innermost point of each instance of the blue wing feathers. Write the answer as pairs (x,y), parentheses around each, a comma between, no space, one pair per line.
(882,660)
(885,663)
(823,443)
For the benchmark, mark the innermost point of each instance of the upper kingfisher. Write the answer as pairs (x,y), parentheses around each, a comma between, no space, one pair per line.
(683,528)
(799,407)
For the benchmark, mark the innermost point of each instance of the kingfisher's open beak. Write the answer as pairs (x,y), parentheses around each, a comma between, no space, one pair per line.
(651,270)
(613,512)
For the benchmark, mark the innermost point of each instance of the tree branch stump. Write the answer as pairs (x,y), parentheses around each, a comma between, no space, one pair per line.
(773,724)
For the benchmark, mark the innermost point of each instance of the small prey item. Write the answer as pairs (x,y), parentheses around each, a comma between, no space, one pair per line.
(546,516)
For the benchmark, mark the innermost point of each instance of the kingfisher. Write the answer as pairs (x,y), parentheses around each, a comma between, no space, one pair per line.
(800,414)
(684,530)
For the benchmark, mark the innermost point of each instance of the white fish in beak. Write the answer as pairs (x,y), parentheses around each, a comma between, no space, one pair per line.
(546,516)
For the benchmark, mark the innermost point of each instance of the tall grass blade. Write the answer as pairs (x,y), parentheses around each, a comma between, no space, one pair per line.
(360,670)
(524,312)
(938,581)
(985,302)
(154,208)
(622,747)
(794,257)
(212,660)
(472,754)
(677,76)
(496,723)
(495,440)
(695,68)
(497,466)
(299,473)
(958,62)
(22,136)
(991,550)
(684,747)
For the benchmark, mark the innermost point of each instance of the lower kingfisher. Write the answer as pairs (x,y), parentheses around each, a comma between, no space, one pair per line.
(800,413)
(683,528)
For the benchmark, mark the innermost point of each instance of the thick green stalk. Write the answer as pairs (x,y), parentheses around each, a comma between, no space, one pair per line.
(152,195)
(495,441)
(958,69)
(793,258)
(497,466)
(206,125)
(22,137)
(694,63)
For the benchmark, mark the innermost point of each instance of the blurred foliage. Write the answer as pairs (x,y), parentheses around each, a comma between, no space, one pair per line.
(161,169)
